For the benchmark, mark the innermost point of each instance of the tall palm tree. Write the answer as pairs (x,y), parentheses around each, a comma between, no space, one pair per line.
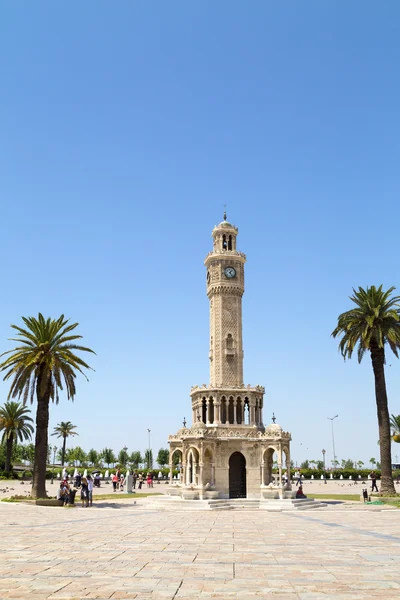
(41,365)
(371,326)
(15,423)
(64,429)
(395,425)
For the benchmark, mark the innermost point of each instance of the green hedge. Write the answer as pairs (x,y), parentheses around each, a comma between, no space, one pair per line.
(306,473)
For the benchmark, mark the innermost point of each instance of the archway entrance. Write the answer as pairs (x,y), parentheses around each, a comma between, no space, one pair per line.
(237,476)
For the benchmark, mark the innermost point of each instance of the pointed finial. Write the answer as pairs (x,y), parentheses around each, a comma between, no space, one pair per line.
(184,421)
(273,417)
(224,212)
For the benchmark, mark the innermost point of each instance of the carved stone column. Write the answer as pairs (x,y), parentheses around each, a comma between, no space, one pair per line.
(234,411)
(217,412)
(262,474)
(170,473)
(252,416)
(208,403)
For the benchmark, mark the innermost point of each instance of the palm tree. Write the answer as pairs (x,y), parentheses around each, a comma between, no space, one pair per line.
(395,425)
(64,430)
(41,365)
(373,324)
(15,425)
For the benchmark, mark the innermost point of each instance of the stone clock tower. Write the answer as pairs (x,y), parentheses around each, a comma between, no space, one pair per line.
(227,452)
(225,287)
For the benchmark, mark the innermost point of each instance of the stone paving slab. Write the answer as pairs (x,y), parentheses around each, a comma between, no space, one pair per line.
(102,552)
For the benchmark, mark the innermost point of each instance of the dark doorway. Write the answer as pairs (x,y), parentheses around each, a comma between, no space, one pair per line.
(237,476)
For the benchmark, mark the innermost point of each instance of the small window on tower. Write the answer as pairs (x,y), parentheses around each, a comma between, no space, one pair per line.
(230,243)
(224,244)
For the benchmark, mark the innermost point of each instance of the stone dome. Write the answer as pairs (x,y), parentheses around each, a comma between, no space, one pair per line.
(183,431)
(274,428)
(226,224)
(199,425)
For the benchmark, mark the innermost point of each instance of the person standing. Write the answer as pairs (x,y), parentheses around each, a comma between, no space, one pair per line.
(140,481)
(90,489)
(115,481)
(84,492)
(134,478)
(373,480)
(121,483)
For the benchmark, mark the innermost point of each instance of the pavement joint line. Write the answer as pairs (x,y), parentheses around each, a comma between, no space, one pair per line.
(383,536)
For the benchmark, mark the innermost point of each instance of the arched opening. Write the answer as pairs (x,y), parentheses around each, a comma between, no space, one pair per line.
(192,462)
(239,411)
(211,410)
(270,462)
(224,244)
(246,412)
(223,410)
(230,242)
(204,410)
(237,475)
(231,410)
(177,461)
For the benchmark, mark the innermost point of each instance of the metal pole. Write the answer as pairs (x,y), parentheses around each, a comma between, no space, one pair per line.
(333,439)
(148,461)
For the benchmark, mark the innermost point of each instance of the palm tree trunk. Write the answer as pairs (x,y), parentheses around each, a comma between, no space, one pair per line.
(63,450)
(378,361)
(41,440)
(9,449)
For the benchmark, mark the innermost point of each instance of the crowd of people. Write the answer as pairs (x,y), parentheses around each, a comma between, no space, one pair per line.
(68,489)
(66,494)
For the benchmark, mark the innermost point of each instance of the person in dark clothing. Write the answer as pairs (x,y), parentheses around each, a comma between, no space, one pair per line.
(373,481)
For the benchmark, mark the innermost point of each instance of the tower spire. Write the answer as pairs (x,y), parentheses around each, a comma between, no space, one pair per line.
(224,212)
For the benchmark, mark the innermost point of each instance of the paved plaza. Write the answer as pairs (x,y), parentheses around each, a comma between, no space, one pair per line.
(127,550)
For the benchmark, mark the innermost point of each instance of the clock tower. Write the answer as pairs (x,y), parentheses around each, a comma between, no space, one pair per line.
(227,452)
(225,287)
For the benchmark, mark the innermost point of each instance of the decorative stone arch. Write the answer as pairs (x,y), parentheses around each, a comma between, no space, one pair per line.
(267,463)
(192,465)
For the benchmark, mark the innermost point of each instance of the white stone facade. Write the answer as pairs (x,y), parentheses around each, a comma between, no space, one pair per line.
(227,452)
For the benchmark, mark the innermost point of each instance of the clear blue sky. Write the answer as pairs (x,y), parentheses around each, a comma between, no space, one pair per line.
(126,126)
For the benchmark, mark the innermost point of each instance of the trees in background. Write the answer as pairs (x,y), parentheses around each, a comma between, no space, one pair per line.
(148,459)
(40,365)
(108,456)
(123,457)
(136,459)
(15,424)
(370,327)
(64,430)
(395,428)
(163,457)
(93,457)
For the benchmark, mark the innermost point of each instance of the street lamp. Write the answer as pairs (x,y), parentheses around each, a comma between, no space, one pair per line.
(323,457)
(333,439)
(54,460)
(125,450)
(148,457)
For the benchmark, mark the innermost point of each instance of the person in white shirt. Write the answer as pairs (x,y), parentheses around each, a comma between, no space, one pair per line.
(90,489)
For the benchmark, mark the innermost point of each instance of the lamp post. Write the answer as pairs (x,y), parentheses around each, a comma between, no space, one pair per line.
(125,449)
(54,460)
(333,440)
(148,457)
(323,457)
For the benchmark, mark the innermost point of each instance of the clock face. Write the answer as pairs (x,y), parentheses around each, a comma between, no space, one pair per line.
(230,272)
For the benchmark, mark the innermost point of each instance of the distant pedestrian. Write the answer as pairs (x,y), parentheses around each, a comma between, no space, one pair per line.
(140,481)
(149,480)
(373,481)
(134,479)
(121,483)
(84,492)
(90,489)
(115,481)
(298,482)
